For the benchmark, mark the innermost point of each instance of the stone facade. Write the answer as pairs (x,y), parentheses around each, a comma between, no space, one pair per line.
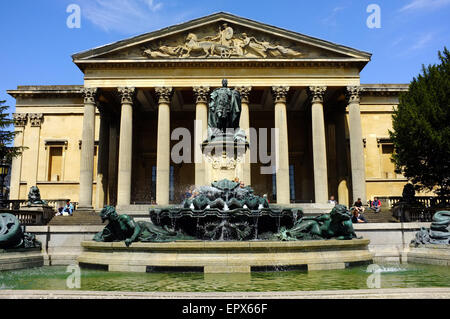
(108,141)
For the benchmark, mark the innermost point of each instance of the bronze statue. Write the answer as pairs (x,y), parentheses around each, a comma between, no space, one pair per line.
(337,224)
(12,235)
(224,108)
(125,228)
(34,197)
(439,232)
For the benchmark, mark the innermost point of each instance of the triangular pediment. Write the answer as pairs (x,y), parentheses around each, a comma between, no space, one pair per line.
(222,36)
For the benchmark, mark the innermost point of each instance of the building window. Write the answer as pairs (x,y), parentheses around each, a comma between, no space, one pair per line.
(55,163)
(387,167)
(55,160)
(292,182)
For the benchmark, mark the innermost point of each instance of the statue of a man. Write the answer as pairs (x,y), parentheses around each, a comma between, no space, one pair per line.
(224,109)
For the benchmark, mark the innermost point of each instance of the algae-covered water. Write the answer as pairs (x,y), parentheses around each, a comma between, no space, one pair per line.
(62,278)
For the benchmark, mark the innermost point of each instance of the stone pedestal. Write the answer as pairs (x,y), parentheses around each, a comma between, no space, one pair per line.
(224,158)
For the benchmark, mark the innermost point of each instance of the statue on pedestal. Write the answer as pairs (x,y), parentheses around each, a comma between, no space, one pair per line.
(225,113)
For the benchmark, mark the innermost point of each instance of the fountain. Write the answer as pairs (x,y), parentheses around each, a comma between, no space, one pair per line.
(225,227)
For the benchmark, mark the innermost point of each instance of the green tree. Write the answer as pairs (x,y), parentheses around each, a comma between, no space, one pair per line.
(7,151)
(421,129)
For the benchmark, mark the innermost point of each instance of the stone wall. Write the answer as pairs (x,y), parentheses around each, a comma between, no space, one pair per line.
(389,241)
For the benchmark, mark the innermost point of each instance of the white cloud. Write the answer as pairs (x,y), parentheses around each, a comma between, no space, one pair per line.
(423,40)
(153,6)
(129,16)
(424,4)
(332,18)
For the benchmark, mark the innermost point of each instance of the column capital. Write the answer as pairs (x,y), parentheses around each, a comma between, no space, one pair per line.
(201,94)
(280,93)
(316,93)
(126,94)
(164,94)
(353,94)
(20,119)
(36,119)
(89,95)
(244,91)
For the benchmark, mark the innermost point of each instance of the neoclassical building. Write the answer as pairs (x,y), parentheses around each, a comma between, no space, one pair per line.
(109,140)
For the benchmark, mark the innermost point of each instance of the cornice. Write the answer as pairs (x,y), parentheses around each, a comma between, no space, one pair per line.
(208,63)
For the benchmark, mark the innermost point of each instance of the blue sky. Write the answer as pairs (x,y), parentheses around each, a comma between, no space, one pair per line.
(36,44)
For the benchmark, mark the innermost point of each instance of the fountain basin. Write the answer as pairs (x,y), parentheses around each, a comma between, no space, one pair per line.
(431,254)
(21,258)
(225,256)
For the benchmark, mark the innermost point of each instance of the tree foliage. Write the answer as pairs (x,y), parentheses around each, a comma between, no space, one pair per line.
(421,129)
(7,151)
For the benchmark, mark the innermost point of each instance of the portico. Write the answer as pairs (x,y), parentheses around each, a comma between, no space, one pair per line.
(165,110)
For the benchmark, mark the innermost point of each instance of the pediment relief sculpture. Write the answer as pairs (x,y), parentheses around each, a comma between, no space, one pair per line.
(225,44)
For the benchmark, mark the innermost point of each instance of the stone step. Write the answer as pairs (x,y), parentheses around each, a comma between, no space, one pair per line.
(78,218)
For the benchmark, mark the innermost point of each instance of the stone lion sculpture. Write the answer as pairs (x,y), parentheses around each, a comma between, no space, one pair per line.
(125,228)
(337,224)
(439,232)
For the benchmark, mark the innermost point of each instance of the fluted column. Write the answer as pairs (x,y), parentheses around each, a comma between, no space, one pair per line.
(87,149)
(356,144)
(102,158)
(341,155)
(244,124)
(125,146)
(319,144)
(20,121)
(201,117)
(282,147)
(163,146)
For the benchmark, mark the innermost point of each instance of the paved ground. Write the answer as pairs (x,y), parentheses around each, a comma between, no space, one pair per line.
(398,293)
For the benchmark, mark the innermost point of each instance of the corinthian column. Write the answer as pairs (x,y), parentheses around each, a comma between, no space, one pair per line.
(125,146)
(87,149)
(356,144)
(282,147)
(163,146)
(201,127)
(245,125)
(319,144)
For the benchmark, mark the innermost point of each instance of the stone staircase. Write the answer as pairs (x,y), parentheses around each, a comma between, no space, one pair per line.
(78,218)
(384,216)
